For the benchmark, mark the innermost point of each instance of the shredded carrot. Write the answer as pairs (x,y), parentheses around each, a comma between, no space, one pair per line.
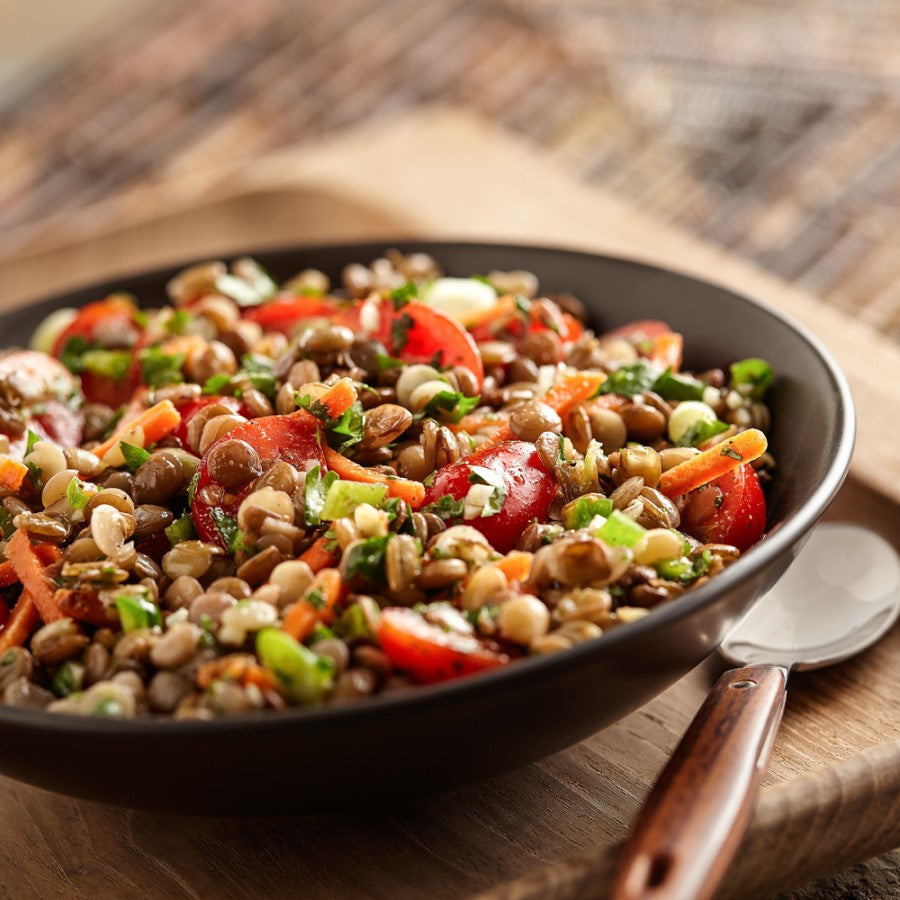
(300,620)
(562,398)
(516,565)
(710,464)
(21,623)
(161,419)
(317,556)
(303,616)
(241,668)
(410,491)
(29,566)
(7,575)
(12,474)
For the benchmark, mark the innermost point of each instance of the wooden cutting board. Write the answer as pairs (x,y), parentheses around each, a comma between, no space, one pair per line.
(832,792)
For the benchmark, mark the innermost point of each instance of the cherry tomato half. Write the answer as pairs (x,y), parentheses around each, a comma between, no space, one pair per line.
(273,437)
(430,335)
(116,315)
(51,398)
(528,486)
(427,653)
(283,313)
(729,510)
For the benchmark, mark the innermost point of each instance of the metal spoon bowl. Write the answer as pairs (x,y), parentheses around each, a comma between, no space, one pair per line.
(840,595)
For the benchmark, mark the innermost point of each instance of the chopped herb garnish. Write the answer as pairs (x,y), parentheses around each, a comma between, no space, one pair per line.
(365,559)
(159,368)
(316,489)
(402,295)
(315,598)
(400,332)
(134,456)
(728,450)
(72,352)
(446,507)
(316,407)
(217,384)
(258,370)
(347,431)
(31,441)
(450,404)
(228,529)
(497,497)
(631,379)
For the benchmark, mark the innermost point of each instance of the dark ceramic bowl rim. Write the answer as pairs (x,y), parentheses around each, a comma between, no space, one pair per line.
(784,535)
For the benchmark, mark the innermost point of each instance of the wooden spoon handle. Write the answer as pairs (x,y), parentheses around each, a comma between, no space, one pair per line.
(694,818)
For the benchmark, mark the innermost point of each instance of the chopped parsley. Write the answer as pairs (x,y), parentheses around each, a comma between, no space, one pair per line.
(315,407)
(400,332)
(72,352)
(402,295)
(728,450)
(159,368)
(365,559)
(315,491)
(631,379)
(217,384)
(347,431)
(228,530)
(450,404)
(446,507)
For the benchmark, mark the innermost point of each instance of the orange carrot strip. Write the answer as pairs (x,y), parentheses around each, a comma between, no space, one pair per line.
(161,419)
(12,474)
(7,575)
(21,623)
(300,620)
(29,567)
(709,464)
(516,565)
(317,556)
(337,400)
(410,491)
(303,617)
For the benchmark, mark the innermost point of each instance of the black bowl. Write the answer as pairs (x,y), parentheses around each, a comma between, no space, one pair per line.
(450,734)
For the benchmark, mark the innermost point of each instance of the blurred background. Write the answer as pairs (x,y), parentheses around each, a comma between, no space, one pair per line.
(766,127)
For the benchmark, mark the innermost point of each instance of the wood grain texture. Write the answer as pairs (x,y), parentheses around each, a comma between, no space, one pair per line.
(547,830)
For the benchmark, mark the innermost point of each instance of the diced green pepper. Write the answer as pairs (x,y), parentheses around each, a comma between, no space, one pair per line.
(305,676)
(136,612)
(344,496)
(181,530)
(620,531)
(581,510)
(675,386)
(754,375)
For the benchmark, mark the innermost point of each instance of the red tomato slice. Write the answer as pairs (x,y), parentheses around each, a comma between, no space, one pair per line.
(428,654)
(191,407)
(530,489)
(729,510)
(117,315)
(283,313)
(273,437)
(433,336)
(51,395)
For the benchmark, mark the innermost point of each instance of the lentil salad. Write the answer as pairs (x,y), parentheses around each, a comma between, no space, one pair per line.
(262,497)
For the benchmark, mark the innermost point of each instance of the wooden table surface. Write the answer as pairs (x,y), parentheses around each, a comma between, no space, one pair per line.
(832,793)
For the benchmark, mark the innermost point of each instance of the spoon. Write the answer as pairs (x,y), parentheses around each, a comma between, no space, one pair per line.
(840,595)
